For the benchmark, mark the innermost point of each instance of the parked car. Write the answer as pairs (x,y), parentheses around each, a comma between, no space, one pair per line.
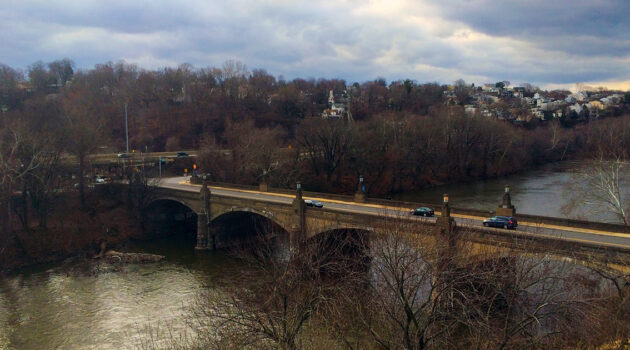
(313,203)
(501,221)
(123,155)
(422,211)
(182,154)
(100,180)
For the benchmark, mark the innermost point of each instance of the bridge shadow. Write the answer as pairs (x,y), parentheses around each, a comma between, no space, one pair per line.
(166,218)
(242,228)
(340,251)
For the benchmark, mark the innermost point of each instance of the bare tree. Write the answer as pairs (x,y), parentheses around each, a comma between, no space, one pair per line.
(613,315)
(17,159)
(425,293)
(256,152)
(276,292)
(602,185)
(84,135)
(326,143)
(401,301)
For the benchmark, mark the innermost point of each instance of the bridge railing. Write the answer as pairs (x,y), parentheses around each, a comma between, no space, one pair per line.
(536,219)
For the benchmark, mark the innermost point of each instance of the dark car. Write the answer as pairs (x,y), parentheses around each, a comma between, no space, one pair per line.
(182,154)
(501,221)
(422,211)
(313,203)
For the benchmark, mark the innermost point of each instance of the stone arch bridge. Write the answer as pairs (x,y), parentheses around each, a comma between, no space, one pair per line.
(290,214)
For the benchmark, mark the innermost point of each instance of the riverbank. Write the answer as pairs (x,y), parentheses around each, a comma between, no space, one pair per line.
(71,231)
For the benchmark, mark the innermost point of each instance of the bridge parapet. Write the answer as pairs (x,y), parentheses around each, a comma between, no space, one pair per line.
(611,227)
(187,198)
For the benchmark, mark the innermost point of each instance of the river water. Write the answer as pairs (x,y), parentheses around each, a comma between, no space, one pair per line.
(66,306)
(547,191)
(60,306)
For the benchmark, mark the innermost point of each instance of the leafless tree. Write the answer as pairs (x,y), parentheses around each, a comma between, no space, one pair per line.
(602,185)
(423,293)
(18,158)
(256,152)
(613,320)
(84,134)
(41,184)
(275,292)
(326,143)
(141,191)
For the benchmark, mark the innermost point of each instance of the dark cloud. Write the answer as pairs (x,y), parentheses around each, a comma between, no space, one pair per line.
(584,27)
(479,40)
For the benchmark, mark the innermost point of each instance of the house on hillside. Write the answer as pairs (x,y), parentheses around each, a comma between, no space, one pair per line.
(470,110)
(577,108)
(338,106)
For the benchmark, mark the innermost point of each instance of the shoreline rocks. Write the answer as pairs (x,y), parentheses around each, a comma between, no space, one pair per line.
(114,257)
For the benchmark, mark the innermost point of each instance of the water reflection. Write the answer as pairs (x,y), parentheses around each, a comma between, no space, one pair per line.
(61,307)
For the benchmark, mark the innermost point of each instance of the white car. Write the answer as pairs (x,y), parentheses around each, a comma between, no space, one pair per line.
(100,180)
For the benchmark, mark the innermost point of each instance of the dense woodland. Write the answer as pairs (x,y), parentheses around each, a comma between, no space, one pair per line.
(403,136)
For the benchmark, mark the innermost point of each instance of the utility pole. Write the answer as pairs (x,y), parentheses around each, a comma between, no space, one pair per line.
(126,128)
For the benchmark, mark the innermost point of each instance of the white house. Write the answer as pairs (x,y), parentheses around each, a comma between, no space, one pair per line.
(576,107)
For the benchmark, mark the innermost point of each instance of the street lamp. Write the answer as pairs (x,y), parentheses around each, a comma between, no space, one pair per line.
(507,188)
(299,185)
(445,198)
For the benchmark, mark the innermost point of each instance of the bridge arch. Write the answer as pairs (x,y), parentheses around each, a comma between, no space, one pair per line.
(237,225)
(267,214)
(166,216)
(340,227)
(174,199)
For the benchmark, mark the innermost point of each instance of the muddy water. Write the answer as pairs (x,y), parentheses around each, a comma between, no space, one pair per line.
(71,306)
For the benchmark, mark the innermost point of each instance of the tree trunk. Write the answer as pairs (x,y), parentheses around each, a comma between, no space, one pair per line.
(24,208)
(4,219)
(9,210)
(82,180)
(43,213)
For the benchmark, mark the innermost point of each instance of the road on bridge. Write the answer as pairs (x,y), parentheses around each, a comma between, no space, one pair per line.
(568,233)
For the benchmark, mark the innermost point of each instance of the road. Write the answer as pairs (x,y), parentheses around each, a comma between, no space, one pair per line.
(112,158)
(566,233)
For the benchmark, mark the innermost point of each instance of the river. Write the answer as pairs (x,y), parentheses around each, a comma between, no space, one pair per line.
(544,191)
(60,306)
(64,306)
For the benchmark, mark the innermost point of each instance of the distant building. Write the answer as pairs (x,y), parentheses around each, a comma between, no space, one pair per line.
(489,88)
(576,108)
(470,110)
(580,96)
(593,105)
(337,106)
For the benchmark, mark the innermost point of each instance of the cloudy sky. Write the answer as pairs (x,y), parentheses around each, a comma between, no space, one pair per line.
(551,43)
